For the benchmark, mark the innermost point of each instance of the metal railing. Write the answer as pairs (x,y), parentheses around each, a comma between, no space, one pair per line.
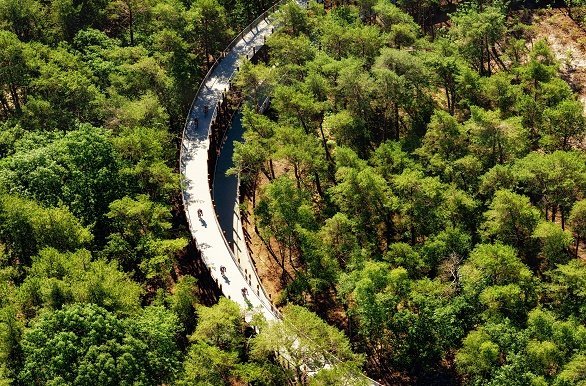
(189,121)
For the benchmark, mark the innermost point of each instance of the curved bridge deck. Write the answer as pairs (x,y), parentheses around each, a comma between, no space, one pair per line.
(206,231)
(194,166)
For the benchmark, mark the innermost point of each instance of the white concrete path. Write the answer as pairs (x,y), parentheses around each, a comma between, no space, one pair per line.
(196,190)
(206,231)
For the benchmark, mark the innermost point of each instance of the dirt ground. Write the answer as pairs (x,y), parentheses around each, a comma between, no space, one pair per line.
(267,268)
(269,271)
(568,42)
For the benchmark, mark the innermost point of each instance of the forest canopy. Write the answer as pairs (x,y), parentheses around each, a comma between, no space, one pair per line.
(419,181)
(426,181)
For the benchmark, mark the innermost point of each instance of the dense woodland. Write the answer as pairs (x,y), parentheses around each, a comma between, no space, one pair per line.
(420,178)
(428,186)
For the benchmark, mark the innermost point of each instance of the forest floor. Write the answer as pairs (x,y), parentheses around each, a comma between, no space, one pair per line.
(567,39)
(267,268)
(568,42)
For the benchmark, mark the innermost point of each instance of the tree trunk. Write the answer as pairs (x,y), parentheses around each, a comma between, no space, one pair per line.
(4,104)
(302,121)
(324,142)
(272,168)
(488,66)
(318,185)
(498,59)
(449,101)
(396,123)
(131,22)
(553,213)
(14,96)
(254,194)
(297,177)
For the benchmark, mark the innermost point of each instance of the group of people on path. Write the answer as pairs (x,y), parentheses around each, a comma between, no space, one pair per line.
(223,273)
(205,114)
(200,212)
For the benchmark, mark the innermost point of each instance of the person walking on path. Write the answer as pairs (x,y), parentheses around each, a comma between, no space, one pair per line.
(222,270)
(199,213)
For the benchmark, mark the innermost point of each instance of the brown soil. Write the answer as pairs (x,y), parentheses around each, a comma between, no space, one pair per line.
(268,269)
(568,42)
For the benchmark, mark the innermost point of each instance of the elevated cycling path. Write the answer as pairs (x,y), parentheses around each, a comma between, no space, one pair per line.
(195,160)
(197,164)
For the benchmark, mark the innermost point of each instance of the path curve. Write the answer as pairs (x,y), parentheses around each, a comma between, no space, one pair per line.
(197,192)
(194,161)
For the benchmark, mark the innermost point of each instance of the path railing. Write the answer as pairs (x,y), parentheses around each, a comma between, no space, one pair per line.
(231,45)
(214,114)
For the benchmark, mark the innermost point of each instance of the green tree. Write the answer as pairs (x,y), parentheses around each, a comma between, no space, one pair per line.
(208,27)
(444,141)
(221,326)
(555,243)
(567,292)
(215,356)
(498,279)
(494,140)
(478,355)
(140,237)
(14,59)
(11,355)
(146,151)
(573,373)
(26,227)
(79,169)
(255,82)
(306,342)
(578,222)
(393,314)
(55,279)
(511,219)
(555,180)
(564,124)
(294,18)
(282,209)
(365,197)
(183,302)
(24,18)
(476,32)
(85,344)
(421,203)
